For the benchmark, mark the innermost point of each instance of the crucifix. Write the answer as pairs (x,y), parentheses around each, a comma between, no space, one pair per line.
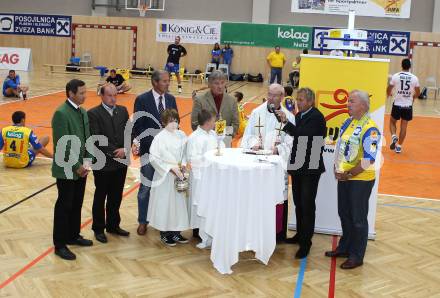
(278,136)
(260,137)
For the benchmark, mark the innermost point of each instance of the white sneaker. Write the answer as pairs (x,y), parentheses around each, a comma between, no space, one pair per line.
(20,95)
(204,245)
(180,90)
(398,149)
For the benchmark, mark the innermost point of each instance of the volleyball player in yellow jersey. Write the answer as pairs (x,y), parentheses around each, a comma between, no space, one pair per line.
(354,169)
(19,143)
(288,101)
(242,118)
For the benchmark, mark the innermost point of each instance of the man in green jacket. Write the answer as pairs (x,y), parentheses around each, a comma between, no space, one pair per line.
(70,129)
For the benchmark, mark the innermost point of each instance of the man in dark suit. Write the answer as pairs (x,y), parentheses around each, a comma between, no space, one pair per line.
(308,133)
(146,119)
(109,120)
(70,132)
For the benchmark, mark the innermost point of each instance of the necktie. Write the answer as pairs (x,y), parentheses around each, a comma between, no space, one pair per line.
(160,108)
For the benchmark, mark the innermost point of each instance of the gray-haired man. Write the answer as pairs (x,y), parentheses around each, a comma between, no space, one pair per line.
(217,101)
(153,102)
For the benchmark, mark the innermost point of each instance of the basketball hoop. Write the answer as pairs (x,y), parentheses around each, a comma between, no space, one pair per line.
(142,10)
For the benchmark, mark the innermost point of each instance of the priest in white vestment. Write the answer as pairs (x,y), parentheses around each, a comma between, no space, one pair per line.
(167,211)
(263,122)
(202,140)
(264,132)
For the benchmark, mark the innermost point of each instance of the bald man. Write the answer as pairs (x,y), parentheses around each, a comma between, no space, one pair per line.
(109,119)
(263,132)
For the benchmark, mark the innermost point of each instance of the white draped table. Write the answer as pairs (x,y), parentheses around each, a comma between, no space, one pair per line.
(236,198)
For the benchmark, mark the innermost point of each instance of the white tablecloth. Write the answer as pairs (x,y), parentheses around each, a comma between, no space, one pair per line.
(236,197)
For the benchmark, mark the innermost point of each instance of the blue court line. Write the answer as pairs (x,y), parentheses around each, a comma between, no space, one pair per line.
(411,207)
(300,279)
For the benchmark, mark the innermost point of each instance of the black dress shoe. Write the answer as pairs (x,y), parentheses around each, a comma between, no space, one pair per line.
(65,253)
(118,231)
(302,252)
(336,254)
(293,240)
(351,264)
(101,237)
(196,234)
(81,242)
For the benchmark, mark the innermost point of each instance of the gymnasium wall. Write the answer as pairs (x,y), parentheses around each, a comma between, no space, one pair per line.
(67,7)
(114,49)
(422,12)
(217,10)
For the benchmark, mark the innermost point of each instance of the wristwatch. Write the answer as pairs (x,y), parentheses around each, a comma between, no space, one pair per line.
(349,174)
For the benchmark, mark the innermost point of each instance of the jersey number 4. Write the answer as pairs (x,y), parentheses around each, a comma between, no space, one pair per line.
(13,146)
(404,85)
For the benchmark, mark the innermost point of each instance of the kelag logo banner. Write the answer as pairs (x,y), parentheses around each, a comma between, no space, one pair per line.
(32,24)
(262,35)
(201,32)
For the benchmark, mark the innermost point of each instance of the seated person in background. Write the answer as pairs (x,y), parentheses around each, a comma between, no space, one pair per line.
(337,53)
(241,115)
(289,102)
(118,80)
(12,86)
(294,75)
(216,54)
(21,145)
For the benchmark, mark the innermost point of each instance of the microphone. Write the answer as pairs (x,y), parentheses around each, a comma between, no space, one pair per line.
(272,110)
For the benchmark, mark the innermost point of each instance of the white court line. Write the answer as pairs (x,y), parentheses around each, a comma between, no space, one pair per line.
(409,197)
(29,98)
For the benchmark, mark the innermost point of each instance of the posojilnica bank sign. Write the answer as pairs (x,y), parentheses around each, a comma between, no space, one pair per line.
(201,32)
(263,35)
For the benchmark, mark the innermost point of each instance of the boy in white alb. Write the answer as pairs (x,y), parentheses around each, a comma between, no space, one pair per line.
(406,88)
(202,140)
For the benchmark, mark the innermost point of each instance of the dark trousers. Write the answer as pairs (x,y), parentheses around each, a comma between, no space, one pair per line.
(108,185)
(353,197)
(294,79)
(67,213)
(147,174)
(304,189)
(276,72)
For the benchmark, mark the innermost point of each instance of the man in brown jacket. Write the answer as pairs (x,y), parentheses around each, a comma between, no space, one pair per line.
(217,101)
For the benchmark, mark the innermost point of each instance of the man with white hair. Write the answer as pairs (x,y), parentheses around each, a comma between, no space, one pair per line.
(354,169)
(264,132)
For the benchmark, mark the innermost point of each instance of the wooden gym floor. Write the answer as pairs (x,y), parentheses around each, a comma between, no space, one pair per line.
(404,260)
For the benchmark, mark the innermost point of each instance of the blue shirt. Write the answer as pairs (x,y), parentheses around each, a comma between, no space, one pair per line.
(227,53)
(11,83)
(216,53)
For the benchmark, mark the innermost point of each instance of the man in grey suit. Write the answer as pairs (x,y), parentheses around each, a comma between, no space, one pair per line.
(151,103)
(217,101)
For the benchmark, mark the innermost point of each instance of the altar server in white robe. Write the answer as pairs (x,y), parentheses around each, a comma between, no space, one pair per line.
(202,140)
(167,211)
(263,122)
